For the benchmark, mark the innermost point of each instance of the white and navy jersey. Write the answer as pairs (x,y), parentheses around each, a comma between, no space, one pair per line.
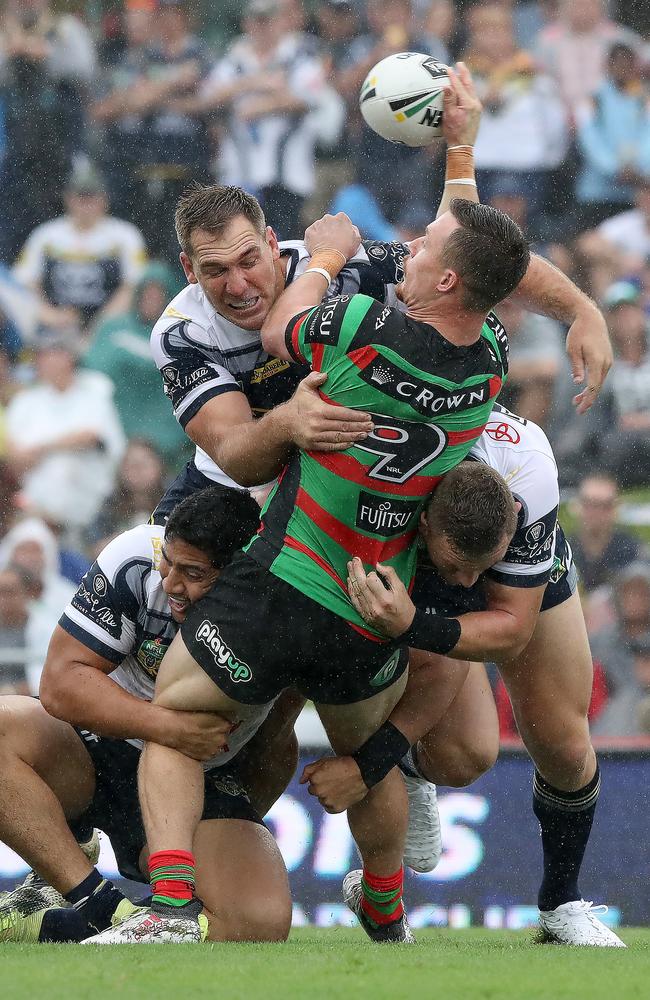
(81,268)
(121,612)
(201,354)
(520,451)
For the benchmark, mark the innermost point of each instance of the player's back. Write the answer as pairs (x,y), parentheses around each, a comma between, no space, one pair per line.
(430,401)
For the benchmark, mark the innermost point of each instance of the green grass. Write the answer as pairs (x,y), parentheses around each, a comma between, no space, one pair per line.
(332,964)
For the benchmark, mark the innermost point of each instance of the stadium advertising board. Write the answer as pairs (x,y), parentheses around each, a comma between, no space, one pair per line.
(489,872)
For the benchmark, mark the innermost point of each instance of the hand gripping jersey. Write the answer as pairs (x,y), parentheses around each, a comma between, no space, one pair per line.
(430,401)
(201,355)
(121,612)
(520,451)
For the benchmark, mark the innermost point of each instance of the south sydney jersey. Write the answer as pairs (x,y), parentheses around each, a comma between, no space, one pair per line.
(121,612)
(201,354)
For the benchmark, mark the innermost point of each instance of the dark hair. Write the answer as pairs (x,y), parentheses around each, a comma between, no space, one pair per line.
(211,207)
(473,508)
(488,252)
(218,521)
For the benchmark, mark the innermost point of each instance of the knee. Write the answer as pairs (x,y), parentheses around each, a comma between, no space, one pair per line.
(565,757)
(17,714)
(460,766)
(266,920)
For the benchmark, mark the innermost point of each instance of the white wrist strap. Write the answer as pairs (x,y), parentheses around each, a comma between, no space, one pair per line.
(462,180)
(450,148)
(320,270)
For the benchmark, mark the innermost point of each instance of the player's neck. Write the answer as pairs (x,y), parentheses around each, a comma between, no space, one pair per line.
(459,327)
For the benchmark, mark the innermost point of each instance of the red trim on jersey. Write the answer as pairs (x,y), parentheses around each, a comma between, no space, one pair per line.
(462,437)
(495,386)
(292,543)
(363,357)
(348,468)
(294,338)
(317,357)
(370,550)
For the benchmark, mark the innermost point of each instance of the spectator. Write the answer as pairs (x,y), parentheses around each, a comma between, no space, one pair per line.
(64,438)
(601,550)
(120,349)
(140,485)
(32,547)
(85,263)
(614,139)
(536,359)
(117,110)
(14,613)
(623,651)
(523,126)
(574,49)
(620,246)
(377,163)
(271,86)
(626,442)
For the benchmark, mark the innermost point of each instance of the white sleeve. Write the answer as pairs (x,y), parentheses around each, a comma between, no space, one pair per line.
(190,378)
(133,255)
(28,268)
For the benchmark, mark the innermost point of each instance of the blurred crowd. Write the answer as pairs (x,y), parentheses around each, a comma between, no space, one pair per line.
(107,111)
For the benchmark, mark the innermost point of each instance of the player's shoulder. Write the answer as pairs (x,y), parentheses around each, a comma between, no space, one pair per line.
(54,229)
(115,227)
(515,436)
(139,549)
(189,307)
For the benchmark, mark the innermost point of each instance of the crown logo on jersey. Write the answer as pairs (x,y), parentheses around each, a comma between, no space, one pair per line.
(381,375)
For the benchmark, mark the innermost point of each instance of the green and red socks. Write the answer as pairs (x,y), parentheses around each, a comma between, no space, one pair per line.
(172,877)
(381,900)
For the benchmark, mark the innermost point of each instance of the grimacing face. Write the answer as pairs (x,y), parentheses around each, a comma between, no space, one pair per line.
(187,575)
(453,567)
(236,270)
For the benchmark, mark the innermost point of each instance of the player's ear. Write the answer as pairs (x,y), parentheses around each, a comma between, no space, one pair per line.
(186,263)
(448,282)
(272,241)
(423,526)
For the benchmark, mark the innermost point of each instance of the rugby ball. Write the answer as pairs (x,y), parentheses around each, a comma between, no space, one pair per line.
(402,98)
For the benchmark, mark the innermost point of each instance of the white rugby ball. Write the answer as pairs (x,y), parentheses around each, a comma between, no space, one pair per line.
(402,98)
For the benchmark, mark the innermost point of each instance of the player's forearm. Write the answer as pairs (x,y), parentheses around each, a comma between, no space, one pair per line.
(87,698)
(544,289)
(491,635)
(304,293)
(255,452)
(459,177)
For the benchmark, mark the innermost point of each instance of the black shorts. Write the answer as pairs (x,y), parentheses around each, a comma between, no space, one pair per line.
(256,635)
(189,481)
(115,808)
(432,594)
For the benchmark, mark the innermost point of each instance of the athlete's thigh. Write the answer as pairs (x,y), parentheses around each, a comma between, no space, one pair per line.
(551,680)
(349,726)
(242,880)
(50,747)
(184,685)
(465,742)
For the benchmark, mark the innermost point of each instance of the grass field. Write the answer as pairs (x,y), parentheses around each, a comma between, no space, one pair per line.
(333,964)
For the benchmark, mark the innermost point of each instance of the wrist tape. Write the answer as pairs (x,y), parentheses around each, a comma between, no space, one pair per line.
(460,164)
(329,259)
(381,753)
(432,632)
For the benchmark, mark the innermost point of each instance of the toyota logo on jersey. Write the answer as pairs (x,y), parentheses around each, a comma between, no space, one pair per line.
(502,432)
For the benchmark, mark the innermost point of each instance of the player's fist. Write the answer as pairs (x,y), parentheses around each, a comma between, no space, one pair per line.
(333,232)
(336,782)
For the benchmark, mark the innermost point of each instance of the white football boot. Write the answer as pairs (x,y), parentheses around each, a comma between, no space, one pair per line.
(143,925)
(423,846)
(33,883)
(576,923)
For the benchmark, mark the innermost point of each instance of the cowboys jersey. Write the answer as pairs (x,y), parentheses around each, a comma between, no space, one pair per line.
(121,612)
(520,451)
(201,354)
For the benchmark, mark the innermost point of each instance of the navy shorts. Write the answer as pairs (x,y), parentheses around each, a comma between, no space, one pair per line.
(433,595)
(115,808)
(255,635)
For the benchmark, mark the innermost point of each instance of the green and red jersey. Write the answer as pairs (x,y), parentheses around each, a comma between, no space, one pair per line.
(430,401)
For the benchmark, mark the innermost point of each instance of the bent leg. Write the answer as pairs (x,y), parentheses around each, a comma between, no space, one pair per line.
(268,761)
(378,823)
(46,775)
(550,689)
(465,742)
